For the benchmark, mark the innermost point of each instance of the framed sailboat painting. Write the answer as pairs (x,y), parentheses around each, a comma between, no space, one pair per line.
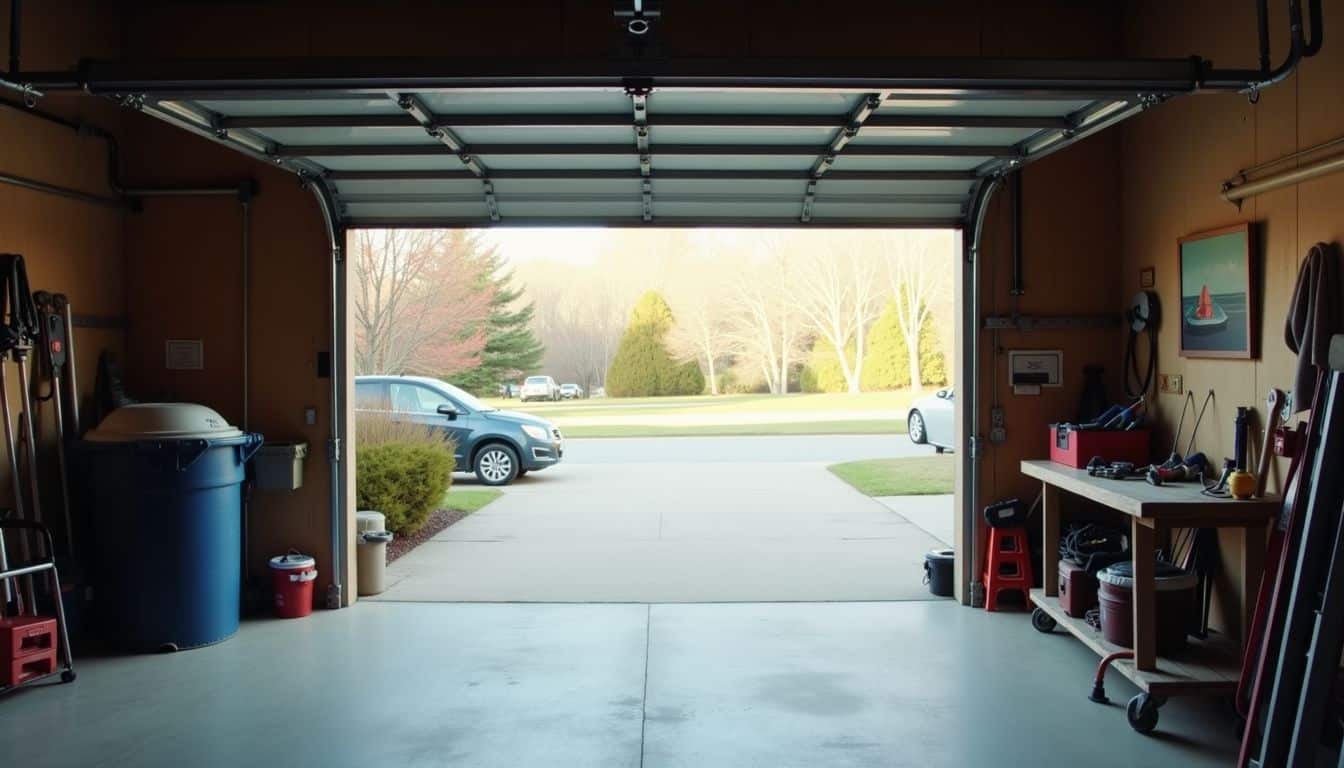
(1218,293)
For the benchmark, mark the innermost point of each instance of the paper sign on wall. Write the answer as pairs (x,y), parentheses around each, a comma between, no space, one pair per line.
(1029,370)
(184,355)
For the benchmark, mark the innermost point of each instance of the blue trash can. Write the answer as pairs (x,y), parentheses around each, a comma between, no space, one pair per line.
(167,524)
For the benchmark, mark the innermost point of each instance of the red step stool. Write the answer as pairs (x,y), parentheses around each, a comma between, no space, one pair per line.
(29,667)
(1008,566)
(25,635)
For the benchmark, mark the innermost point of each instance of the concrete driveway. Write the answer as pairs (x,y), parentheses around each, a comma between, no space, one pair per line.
(670,520)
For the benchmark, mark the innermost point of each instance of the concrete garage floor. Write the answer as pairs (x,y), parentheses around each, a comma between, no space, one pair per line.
(752,519)
(924,684)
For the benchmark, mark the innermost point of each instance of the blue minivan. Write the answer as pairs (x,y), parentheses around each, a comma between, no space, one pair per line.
(498,446)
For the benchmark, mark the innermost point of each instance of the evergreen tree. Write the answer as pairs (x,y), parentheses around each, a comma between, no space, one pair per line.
(642,366)
(887,364)
(511,348)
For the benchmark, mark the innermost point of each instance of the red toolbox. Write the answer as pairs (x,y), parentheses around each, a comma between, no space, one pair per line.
(1074,448)
(1077,589)
(22,636)
(29,667)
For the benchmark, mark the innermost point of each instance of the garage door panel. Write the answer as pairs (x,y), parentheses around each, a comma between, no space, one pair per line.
(752,102)
(829,186)
(622,135)
(298,107)
(849,210)
(676,134)
(463,210)
(629,162)
(392,163)
(631,210)
(529,101)
(732,162)
(908,163)
(794,187)
(561,187)
(933,136)
(981,107)
(410,135)
(784,210)
(408,187)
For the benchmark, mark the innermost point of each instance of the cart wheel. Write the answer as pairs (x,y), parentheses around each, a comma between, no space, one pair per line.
(1042,621)
(68,676)
(1142,712)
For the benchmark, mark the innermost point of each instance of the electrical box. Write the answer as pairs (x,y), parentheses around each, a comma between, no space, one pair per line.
(1029,370)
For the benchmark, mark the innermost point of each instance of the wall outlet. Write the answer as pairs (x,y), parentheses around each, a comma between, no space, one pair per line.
(997,433)
(1170,383)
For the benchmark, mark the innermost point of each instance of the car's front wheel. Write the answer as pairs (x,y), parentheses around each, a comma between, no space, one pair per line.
(914,425)
(496,464)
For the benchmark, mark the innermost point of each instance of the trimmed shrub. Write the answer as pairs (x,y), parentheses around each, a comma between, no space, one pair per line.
(821,372)
(402,469)
(642,366)
(932,363)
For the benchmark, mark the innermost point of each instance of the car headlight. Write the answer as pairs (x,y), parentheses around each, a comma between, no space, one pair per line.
(535,432)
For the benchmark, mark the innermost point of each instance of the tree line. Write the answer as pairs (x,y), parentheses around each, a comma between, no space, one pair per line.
(660,311)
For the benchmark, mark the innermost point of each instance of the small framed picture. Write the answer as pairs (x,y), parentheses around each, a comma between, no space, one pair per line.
(1218,312)
(1147,278)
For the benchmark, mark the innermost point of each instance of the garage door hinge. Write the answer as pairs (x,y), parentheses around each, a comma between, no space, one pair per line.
(976,447)
(334,450)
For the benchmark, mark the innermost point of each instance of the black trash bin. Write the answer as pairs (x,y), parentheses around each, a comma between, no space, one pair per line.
(938,572)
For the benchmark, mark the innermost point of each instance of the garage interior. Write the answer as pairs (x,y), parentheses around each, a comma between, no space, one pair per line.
(187,171)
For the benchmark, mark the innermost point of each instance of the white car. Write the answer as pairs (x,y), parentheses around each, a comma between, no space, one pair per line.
(930,420)
(539,388)
(570,391)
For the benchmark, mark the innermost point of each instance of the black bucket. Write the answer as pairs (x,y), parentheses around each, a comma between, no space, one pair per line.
(938,572)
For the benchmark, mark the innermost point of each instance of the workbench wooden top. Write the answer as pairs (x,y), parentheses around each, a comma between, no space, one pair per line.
(1174,503)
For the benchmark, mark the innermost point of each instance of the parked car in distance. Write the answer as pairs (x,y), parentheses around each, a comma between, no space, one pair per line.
(498,446)
(929,420)
(539,388)
(570,391)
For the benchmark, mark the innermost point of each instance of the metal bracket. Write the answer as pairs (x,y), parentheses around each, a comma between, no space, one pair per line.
(975,446)
(334,450)
(416,108)
(639,100)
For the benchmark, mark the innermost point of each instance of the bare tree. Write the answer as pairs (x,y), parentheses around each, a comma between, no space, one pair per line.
(702,307)
(418,300)
(764,327)
(839,296)
(919,274)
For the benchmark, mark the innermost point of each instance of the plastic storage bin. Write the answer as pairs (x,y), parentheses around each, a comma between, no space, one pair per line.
(279,466)
(169,524)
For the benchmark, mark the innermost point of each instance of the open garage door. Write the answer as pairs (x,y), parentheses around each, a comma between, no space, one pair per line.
(848,143)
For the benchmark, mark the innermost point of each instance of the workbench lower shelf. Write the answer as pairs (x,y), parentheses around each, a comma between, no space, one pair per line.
(1208,666)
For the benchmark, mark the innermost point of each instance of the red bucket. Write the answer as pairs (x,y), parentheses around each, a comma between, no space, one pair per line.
(293,575)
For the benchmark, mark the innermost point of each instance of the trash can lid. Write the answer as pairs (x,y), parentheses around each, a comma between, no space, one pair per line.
(292,561)
(162,421)
(375,537)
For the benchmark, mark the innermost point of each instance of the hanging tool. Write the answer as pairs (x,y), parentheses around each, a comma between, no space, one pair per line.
(1143,315)
(53,349)
(62,304)
(1273,404)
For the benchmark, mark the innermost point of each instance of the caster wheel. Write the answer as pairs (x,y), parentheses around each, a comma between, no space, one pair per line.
(1142,712)
(1041,621)
(68,676)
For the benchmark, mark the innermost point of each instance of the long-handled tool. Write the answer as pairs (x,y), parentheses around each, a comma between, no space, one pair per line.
(1273,404)
(61,303)
(53,355)
(16,334)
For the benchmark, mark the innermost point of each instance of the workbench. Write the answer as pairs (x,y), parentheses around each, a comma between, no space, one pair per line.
(1210,665)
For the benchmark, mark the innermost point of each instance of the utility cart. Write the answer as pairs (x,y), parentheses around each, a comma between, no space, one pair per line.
(1210,665)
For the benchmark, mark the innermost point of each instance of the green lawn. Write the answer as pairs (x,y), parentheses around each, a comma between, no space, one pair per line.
(793,414)
(898,400)
(914,476)
(867,427)
(469,499)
